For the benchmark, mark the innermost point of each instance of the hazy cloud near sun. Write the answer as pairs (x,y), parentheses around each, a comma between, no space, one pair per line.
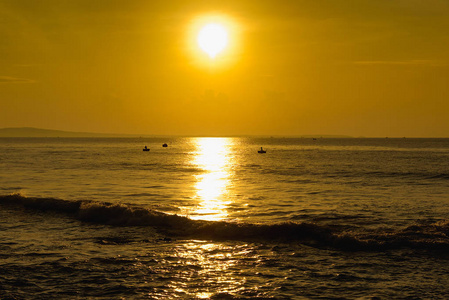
(429,63)
(9,79)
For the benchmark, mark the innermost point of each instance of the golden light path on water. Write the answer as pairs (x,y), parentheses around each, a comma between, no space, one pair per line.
(214,158)
(215,263)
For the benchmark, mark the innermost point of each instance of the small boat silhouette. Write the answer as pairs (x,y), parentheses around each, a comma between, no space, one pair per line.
(164,145)
(261,150)
(146,149)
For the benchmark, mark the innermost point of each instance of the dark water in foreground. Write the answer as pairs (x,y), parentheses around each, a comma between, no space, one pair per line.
(213,219)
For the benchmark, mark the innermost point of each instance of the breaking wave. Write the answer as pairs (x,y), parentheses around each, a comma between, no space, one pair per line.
(431,235)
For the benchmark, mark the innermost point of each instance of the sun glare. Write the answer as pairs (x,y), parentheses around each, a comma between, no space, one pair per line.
(212,39)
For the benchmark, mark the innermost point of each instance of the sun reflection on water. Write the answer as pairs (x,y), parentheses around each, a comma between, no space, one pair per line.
(214,159)
(208,269)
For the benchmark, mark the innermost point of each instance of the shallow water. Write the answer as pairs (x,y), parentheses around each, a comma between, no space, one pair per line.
(205,218)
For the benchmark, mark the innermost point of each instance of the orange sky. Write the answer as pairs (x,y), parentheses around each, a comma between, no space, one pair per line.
(349,67)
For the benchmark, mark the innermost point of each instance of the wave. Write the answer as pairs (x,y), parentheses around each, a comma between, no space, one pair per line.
(395,174)
(430,235)
(296,175)
(424,175)
(439,176)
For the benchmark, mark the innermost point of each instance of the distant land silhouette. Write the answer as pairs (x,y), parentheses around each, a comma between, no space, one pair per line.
(39,132)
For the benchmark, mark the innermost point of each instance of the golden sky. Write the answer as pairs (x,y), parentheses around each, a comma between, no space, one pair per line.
(350,67)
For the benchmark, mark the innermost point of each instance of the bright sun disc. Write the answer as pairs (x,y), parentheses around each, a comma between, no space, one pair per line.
(212,39)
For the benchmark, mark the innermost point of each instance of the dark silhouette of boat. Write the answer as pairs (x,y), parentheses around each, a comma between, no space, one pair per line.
(146,149)
(261,150)
(164,145)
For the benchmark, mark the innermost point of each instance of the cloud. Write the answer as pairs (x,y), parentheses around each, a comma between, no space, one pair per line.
(8,79)
(27,65)
(430,63)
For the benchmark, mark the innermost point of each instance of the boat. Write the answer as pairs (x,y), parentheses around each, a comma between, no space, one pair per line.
(261,150)
(146,149)
(164,145)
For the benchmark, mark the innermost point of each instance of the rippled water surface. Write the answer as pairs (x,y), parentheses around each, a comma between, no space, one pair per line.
(212,218)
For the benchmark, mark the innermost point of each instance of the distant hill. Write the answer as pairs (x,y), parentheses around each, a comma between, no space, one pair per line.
(37,132)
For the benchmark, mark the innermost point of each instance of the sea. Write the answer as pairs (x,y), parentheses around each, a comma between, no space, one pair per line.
(211,218)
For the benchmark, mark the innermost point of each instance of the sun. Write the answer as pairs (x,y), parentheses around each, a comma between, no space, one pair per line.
(212,39)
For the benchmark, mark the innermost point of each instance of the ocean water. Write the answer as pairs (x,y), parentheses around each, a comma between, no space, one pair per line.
(211,218)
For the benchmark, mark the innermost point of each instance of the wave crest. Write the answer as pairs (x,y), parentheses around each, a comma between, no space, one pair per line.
(430,235)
